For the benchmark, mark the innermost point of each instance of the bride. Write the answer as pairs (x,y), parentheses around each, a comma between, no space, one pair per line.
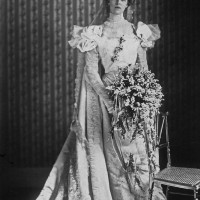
(90,164)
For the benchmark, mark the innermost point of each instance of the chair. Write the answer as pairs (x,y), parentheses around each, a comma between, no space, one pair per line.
(179,177)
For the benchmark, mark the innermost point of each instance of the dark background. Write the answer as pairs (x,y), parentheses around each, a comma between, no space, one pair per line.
(37,71)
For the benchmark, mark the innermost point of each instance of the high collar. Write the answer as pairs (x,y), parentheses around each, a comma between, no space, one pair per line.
(115,18)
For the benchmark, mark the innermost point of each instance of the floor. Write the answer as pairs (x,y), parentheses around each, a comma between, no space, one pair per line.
(25,184)
(31,194)
(22,183)
(20,194)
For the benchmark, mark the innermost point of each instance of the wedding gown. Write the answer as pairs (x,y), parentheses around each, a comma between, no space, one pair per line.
(89,166)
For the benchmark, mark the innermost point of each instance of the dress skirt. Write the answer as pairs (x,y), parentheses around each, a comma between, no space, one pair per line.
(91,163)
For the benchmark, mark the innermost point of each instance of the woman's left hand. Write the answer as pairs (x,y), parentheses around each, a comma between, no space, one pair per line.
(114,117)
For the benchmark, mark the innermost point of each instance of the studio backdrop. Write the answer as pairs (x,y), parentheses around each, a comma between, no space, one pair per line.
(37,71)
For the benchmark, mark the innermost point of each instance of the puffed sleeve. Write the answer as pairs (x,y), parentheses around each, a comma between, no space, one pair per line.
(148,34)
(85,38)
(94,79)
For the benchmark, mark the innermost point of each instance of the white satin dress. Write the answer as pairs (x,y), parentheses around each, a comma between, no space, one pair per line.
(89,166)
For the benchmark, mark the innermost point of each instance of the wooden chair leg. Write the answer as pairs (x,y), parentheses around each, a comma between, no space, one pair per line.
(195,194)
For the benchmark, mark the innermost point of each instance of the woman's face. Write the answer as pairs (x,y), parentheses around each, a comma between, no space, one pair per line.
(117,7)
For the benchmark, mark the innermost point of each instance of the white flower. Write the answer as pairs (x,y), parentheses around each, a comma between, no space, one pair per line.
(127,102)
(132,99)
(128,89)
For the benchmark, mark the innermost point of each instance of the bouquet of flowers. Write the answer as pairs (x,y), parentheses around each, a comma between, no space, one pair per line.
(137,95)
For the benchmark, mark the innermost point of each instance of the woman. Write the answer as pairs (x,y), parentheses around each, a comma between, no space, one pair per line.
(91,163)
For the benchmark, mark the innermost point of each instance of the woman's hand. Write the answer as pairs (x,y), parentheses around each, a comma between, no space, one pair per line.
(114,117)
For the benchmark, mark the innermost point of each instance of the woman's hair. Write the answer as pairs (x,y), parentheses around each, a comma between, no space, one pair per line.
(130,2)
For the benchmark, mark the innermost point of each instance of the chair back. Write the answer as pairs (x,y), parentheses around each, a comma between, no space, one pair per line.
(162,128)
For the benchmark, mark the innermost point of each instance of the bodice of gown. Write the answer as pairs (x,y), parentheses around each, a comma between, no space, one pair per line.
(127,55)
(101,41)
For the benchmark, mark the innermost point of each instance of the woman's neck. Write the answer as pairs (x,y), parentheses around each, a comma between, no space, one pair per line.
(116,18)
